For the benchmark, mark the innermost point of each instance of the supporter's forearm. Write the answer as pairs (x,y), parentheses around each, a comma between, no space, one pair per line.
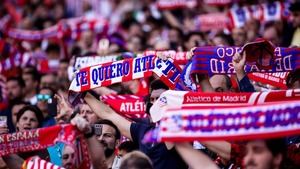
(13,161)
(240,74)
(101,109)
(194,158)
(105,112)
(222,148)
(97,153)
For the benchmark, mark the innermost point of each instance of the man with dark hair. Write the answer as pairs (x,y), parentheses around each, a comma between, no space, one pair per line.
(264,154)
(109,137)
(126,147)
(15,108)
(15,87)
(62,73)
(163,155)
(31,78)
(49,80)
(53,51)
(157,87)
(194,39)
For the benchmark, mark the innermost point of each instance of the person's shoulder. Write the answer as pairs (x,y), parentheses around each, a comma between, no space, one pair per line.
(139,129)
(141,125)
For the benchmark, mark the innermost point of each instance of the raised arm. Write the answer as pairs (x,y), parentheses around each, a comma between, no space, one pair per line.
(239,62)
(105,112)
(194,158)
(96,150)
(222,148)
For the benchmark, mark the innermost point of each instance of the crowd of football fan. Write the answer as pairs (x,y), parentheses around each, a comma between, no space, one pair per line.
(33,97)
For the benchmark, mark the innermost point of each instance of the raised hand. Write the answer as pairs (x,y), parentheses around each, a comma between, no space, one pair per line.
(238,62)
(81,124)
(64,110)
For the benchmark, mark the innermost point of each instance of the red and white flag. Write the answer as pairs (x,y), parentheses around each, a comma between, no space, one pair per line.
(215,21)
(272,11)
(239,16)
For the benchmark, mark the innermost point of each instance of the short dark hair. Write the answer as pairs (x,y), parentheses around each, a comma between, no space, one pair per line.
(110,123)
(31,70)
(18,102)
(38,113)
(19,80)
(136,160)
(190,34)
(64,61)
(48,88)
(276,146)
(53,48)
(128,146)
(158,84)
(294,7)
(292,77)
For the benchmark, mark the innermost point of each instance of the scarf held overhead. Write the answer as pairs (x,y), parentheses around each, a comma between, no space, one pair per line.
(42,138)
(34,139)
(130,106)
(274,79)
(182,99)
(125,70)
(234,123)
(218,60)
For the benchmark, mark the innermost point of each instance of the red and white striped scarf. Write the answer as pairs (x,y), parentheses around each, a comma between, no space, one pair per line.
(72,28)
(38,163)
(183,99)
(274,79)
(238,16)
(217,2)
(130,106)
(175,4)
(128,69)
(268,120)
(42,138)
